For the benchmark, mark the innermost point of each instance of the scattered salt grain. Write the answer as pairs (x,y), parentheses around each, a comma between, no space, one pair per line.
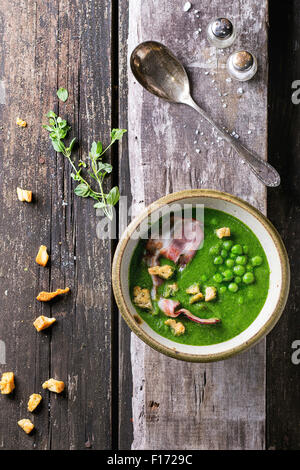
(198,150)
(195,141)
(249,132)
(206,73)
(224,105)
(197,132)
(5,292)
(240,91)
(64,203)
(187,6)
(228,80)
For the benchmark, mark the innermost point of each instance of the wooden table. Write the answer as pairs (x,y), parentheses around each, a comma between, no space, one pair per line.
(120,393)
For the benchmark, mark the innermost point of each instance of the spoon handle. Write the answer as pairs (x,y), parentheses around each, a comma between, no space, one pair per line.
(262,169)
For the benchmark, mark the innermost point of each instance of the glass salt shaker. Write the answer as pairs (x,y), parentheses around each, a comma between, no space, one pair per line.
(221,33)
(241,65)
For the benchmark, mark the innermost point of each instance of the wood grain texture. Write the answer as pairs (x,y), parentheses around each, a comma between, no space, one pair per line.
(47,45)
(175,404)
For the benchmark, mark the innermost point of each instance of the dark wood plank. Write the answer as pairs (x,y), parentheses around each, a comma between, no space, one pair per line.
(222,405)
(47,45)
(125,372)
(283,384)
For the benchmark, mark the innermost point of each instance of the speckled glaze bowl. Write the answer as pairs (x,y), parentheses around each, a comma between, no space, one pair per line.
(278,289)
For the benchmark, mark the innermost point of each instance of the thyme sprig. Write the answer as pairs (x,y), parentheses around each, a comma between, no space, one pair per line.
(98,170)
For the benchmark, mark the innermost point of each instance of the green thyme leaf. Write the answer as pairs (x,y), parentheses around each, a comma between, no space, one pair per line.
(58,146)
(62,94)
(82,190)
(113,196)
(117,134)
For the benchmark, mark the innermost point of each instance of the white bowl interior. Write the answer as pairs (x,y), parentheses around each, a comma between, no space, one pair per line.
(274,286)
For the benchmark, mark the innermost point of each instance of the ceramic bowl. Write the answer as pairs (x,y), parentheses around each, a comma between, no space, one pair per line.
(278,288)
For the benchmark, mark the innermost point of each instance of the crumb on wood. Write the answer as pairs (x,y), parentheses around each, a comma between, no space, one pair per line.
(46,296)
(34,401)
(7,383)
(42,257)
(24,195)
(41,323)
(26,425)
(56,386)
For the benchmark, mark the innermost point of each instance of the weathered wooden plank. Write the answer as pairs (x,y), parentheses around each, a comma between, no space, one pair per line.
(125,428)
(283,385)
(220,405)
(47,45)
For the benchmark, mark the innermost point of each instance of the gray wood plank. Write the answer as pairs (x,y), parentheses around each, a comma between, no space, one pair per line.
(209,406)
(47,45)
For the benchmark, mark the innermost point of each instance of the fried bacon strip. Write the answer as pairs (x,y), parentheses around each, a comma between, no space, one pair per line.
(169,308)
(178,244)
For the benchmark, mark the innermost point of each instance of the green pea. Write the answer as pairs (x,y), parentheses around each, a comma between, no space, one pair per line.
(239,270)
(227,244)
(228,275)
(218,260)
(233,287)
(229,263)
(203,278)
(241,300)
(218,278)
(249,268)
(232,255)
(214,250)
(241,260)
(246,249)
(256,260)
(237,249)
(248,278)
(224,253)
(223,289)
(237,279)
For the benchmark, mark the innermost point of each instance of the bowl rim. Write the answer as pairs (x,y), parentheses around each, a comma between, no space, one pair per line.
(172,352)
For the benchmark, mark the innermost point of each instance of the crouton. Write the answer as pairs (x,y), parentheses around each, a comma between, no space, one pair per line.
(46,296)
(223,232)
(56,386)
(176,327)
(34,401)
(141,298)
(193,289)
(165,272)
(210,293)
(24,195)
(26,425)
(21,122)
(196,298)
(41,323)
(7,383)
(170,290)
(42,256)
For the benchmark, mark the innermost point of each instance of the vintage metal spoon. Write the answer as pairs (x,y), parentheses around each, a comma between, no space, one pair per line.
(158,70)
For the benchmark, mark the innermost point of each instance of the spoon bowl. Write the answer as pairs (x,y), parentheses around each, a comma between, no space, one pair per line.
(158,70)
